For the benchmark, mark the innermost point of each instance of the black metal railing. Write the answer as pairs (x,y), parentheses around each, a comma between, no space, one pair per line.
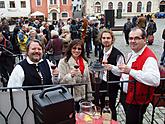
(6,115)
(21,115)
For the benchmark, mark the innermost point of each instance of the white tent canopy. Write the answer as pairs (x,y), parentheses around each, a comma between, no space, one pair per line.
(37,13)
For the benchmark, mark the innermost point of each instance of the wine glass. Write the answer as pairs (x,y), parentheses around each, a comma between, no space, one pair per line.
(53,66)
(76,66)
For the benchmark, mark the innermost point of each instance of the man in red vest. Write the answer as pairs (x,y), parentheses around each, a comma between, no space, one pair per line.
(142,68)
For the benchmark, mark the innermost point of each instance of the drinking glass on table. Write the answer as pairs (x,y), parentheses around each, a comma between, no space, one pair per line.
(96,112)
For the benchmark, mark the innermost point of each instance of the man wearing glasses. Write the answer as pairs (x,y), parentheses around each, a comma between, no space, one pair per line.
(142,68)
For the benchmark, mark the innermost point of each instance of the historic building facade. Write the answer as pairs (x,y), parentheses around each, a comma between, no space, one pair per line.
(127,7)
(53,9)
(14,8)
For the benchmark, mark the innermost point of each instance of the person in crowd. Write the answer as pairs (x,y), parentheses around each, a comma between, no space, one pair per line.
(151,29)
(55,46)
(134,21)
(5,28)
(87,40)
(96,42)
(109,55)
(22,38)
(73,68)
(142,69)
(42,37)
(60,25)
(32,35)
(84,28)
(33,70)
(162,60)
(6,58)
(14,39)
(127,28)
(66,38)
(73,30)
(79,25)
(46,31)
(141,22)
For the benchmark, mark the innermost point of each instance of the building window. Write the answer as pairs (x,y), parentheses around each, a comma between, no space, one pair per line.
(64,14)
(53,2)
(12,4)
(38,2)
(149,6)
(23,4)
(64,1)
(139,6)
(97,7)
(120,5)
(2,4)
(129,7)
(110,5)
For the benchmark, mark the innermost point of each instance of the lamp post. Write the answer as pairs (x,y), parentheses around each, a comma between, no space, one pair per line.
(96,67)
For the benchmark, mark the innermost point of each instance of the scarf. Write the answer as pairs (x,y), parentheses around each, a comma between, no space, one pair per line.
(80,62)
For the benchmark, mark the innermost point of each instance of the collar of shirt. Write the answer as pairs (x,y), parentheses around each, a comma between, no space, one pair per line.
(30,62)
(139,52)
(107,53)
(133,56)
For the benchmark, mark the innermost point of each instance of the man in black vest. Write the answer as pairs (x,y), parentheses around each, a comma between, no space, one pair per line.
(110,57)
(33,70)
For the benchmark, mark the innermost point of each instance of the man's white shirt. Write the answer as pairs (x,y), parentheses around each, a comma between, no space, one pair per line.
(149,74)
(17,76)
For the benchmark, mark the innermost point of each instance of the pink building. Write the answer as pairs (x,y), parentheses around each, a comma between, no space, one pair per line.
(53,9)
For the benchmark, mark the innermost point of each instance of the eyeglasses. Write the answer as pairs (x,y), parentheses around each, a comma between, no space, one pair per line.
(135,38)
(78,48)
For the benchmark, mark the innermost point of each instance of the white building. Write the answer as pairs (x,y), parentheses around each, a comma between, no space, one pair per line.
(14,8)
(76,5)
(128,7)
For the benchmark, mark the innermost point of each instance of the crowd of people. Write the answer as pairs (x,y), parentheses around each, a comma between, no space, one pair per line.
(145,22)
(56,54)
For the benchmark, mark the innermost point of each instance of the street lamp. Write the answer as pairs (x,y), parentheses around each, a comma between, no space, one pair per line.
(96,67)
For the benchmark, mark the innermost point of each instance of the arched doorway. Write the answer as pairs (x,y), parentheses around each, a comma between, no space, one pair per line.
(162,6)
(54,16)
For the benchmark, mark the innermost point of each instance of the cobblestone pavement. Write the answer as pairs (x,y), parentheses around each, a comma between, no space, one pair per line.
(157,47)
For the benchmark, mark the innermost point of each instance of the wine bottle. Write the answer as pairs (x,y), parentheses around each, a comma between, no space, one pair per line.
(106,112)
